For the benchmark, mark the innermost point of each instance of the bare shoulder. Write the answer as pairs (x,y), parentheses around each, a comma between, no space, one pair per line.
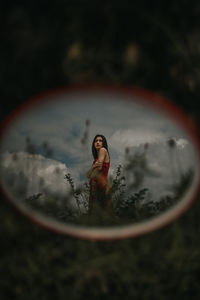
(103,150)
(103,154)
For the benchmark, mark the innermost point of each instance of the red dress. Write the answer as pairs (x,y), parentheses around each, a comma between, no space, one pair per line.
(100,184)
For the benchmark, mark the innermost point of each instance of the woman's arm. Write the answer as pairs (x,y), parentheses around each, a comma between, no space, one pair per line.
(101,158)
(94,170)
(98,164)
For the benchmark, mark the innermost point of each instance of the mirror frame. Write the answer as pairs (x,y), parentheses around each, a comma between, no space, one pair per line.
(146,97)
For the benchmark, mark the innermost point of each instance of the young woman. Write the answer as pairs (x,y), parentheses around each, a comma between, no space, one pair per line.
(98,174)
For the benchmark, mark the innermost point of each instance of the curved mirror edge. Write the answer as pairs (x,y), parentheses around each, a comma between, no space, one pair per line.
(123,230)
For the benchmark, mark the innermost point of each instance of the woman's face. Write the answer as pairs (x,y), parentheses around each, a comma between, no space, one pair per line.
(98,143)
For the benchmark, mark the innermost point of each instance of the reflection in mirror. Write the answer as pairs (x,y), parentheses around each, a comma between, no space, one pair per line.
(46,152)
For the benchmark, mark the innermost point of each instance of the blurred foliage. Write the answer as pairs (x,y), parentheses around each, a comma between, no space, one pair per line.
(47,45)
(37,263)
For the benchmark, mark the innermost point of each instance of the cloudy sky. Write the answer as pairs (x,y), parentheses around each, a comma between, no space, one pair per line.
(60,120)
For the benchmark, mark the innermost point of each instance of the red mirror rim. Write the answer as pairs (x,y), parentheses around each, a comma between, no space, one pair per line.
(161,104)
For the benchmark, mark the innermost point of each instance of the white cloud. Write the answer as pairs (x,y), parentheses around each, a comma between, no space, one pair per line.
(182,142)
(41,174)
(123,138)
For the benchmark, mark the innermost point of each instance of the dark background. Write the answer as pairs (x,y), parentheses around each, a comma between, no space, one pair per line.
(150,44)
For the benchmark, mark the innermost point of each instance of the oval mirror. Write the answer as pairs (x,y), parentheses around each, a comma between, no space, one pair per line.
(145,176)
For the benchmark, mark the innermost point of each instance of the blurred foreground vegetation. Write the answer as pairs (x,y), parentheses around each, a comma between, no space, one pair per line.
(51,44)
(124,208)
(38,264)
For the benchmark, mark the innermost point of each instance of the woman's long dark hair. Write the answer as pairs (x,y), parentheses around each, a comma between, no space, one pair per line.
(105,145)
